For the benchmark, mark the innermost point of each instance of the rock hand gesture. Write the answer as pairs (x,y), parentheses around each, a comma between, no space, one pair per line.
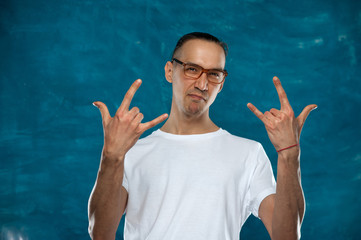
(123,130)
(282,127)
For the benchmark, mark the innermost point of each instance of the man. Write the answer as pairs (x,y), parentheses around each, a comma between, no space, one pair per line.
(191,179)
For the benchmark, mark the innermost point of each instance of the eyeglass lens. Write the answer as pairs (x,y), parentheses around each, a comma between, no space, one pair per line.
(195,71)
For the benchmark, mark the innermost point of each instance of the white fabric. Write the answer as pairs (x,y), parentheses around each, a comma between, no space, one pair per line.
(201,186)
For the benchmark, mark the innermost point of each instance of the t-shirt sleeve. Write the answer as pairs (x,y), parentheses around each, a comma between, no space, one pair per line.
(125,185)
(125,181)
(262,182)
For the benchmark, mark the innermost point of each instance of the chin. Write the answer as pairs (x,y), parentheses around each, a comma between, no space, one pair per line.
(194,110)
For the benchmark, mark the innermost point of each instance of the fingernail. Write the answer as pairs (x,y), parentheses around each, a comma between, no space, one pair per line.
(94,104)
(314,108)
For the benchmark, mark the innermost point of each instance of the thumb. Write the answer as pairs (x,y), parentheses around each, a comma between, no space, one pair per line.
(304,114)
(103,111)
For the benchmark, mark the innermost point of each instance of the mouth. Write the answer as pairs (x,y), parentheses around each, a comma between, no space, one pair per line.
(196,97)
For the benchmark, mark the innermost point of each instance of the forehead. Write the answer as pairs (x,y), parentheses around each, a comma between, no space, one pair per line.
(202,52)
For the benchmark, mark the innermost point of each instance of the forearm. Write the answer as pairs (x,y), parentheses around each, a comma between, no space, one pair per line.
(105,200)
(289,201)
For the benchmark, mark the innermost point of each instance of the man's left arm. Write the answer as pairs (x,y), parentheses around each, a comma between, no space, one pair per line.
(282,213)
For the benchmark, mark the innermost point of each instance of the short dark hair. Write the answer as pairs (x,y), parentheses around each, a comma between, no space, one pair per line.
(199,35)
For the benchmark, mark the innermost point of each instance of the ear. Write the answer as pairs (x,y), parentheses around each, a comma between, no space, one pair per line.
(168,71)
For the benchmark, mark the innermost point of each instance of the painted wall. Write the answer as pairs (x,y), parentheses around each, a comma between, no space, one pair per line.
(57,57)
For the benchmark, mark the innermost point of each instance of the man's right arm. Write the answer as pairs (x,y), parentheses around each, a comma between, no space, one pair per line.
(108,198)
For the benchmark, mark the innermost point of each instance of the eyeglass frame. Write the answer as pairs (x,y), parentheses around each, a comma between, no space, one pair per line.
(202,71)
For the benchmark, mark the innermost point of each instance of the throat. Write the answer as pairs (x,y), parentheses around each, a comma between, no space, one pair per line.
(189,124)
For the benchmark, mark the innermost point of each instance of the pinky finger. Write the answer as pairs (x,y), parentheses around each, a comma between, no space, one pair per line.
(148,125)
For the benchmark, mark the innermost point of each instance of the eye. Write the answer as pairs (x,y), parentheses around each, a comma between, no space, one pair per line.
(215,74)
(191,69)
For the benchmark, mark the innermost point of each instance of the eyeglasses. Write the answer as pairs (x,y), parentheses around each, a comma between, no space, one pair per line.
(194,71)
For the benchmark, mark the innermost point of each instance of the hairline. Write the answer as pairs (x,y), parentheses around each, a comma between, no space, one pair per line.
(199,36)
(178,50)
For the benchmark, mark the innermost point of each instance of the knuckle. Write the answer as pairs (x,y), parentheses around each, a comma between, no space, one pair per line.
(124,118)
(138,130)
(134,124)
(283,116)
(128,118)
(119,115)
(151,124)
(128,96)
(135,110)
(271,126)
(290,114)
(136,121)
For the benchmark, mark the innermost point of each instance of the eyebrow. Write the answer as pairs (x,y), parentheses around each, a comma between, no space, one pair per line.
(218,69)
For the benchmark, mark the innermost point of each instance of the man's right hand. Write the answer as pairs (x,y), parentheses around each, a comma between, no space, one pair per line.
(123,130)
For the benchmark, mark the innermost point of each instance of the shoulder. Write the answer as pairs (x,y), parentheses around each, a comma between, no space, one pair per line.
(149,138)
(241,142)
(146,142)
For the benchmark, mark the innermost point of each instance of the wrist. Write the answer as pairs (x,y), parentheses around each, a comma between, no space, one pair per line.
(111,156)
(290,151)
(290,157)
(111,169)
(285,148)
(111,161)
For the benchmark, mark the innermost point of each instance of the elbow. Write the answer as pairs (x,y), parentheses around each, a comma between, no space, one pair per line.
(294,234)
(286,237)
(91,228)
(95,228)
(97,232)
(94,235)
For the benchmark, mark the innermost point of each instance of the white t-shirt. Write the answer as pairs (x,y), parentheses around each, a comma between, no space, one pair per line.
(200,186)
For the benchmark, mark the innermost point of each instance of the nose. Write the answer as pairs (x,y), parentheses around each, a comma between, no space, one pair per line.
(202,82)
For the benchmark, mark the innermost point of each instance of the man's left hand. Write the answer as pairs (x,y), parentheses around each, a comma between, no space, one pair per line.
(282,127)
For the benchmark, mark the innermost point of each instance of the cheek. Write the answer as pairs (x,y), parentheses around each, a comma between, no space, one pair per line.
(213,92)
(181,86)
(178,89)
(212,95)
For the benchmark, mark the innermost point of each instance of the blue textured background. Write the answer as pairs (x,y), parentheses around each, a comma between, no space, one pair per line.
(57,57)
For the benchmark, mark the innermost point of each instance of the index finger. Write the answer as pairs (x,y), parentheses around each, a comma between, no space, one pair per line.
(256,112)
(281,93)
(129,95)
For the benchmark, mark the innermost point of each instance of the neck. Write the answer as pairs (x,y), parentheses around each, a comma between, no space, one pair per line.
(182,124)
